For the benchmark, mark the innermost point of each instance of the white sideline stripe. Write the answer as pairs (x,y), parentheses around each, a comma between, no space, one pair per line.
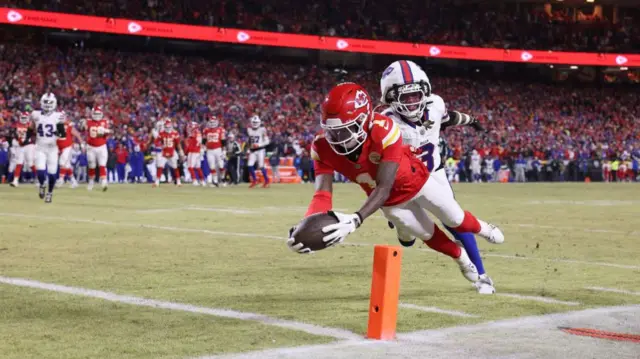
(454,313)
(571,261)
(225,210)
(253,235)
(423,336)
(613,290)
(218,312)
(160,210)
(537,299)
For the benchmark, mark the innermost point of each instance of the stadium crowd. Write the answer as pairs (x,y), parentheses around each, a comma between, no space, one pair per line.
(487,24)
(534,120)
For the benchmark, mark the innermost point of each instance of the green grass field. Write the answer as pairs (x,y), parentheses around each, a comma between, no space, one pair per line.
(224,248)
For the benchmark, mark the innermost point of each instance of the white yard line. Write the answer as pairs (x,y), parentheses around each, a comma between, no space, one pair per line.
(613,290)
(454,313)
(218,312)
(160,210)
(580,229)
(537,299)
(255,235)
(570,261)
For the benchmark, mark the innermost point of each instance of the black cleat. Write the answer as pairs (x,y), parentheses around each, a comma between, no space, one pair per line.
(407,243)
(41,192)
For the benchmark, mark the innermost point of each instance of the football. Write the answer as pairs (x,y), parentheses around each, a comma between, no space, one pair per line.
(309,230)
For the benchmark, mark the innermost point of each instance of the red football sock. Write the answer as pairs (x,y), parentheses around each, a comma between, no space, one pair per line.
(176,174)
(92,174)
(17,172)
(158,173)
(193,173)
(469,224)
(199,170)
(103,172)
(33,170)
(441,243)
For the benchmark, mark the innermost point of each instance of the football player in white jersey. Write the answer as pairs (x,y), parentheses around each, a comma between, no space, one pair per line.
(49,126)
(421,115)
(258,141)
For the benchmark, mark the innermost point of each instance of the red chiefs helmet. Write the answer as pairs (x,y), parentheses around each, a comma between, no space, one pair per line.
(345,111)
(23,117)
(96,113)
(168,125)
(213,122)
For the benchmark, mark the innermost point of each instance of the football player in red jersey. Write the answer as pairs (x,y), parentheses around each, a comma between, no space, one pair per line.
(194,156)
(170,139)
(97,154)
(64,147)
(367,148)
(214,136)
(23,134)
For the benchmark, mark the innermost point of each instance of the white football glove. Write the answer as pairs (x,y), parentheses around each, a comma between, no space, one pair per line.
(347,224)
(298,248)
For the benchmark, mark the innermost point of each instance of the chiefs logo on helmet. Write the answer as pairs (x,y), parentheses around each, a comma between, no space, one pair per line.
(361,100)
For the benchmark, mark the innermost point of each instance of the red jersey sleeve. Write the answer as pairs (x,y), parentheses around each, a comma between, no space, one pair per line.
(387,136)
(318,151)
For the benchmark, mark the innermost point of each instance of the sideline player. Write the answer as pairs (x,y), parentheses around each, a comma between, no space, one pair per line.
(194,154)
(97,154)
(22,134)
(170,140)
(214,137)
(258,141)
(367,148)
(64,148)
(49,127)
(421,115)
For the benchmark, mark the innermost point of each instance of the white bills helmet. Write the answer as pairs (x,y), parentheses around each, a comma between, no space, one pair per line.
(406,88)
(48,102)
(255,121)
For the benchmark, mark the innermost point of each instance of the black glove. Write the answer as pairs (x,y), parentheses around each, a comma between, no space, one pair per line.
(391,225)
(477,126)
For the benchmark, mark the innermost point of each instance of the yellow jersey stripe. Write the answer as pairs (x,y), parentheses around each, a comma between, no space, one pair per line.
(392,137)
(314,155)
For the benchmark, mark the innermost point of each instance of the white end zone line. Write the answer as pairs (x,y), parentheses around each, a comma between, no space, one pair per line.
(218,312)
(613,290)
(571,261)
(537,299)
(454,313)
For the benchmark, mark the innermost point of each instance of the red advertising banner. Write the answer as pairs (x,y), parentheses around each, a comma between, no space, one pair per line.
(250,37)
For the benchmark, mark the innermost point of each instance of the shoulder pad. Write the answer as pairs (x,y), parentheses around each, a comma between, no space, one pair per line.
(436,103)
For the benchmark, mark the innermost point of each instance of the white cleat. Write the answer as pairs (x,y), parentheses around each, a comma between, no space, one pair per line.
(59,183)
(105,185)
(178,183)
(156,184)
(224,184)
(491,233)
(74,183)
(90,186)
(467,267)
(484,285)
(14,183)
(196,183)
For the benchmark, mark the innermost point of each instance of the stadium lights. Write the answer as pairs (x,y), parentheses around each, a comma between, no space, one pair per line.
(590,0)
(624,68)
(551,66)
(573,67)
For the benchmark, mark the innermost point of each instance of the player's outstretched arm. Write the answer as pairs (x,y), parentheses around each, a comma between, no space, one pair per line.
(322,198)
(462,119)
(384,182)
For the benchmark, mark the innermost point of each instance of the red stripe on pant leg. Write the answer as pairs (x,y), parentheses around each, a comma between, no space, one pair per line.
(469,224)
(441,243)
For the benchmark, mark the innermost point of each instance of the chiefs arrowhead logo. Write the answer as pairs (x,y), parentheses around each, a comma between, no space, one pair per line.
(621,60)
(341,44)
(134,27)
(525,56)
(14,16)
(361,99)
(434,51)
(242,36)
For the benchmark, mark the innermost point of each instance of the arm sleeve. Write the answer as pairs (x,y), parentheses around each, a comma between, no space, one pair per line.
(321,202)
(457,119)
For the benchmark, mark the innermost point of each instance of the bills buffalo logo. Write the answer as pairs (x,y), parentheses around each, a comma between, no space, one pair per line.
(387,72)
(360,100)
